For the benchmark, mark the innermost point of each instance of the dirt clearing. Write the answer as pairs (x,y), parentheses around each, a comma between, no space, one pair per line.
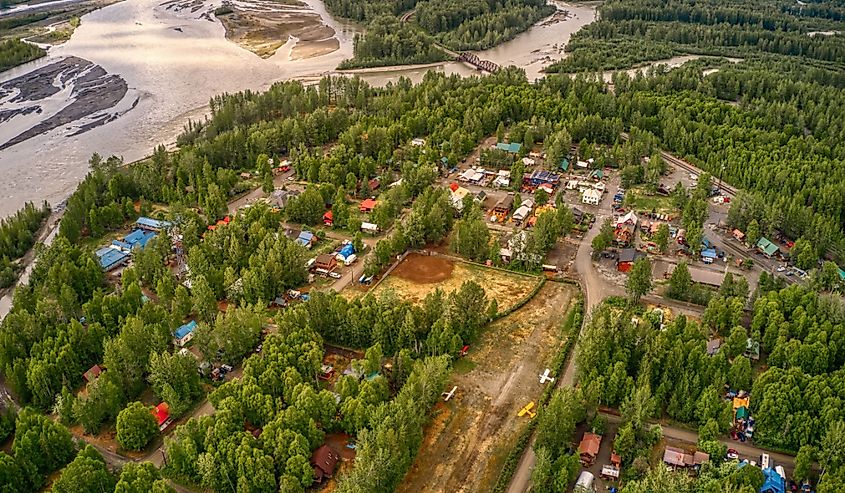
(417,275)
(469,437)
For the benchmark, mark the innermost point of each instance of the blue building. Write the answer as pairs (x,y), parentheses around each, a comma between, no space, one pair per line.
(151,224)
(185,333)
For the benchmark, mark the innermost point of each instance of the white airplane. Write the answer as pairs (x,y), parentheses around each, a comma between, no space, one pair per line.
(545,377)
(448,395)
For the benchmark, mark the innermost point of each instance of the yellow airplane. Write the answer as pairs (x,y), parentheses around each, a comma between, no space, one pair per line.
(527,410)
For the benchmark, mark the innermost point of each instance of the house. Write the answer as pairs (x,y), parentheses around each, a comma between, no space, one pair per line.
(546,188)
(162,415)
(369,228)
(521,213)
(150,224)
(739,235)
(766,247)
(597,174)
(92,374)
(111,258)
(713,346)
(306,239)
(513,147)
(326,262)
(326,372)
(540,176)
(280,197)
(588,449)
(675,457)
(324,460)
(328,218)
(472,176)
(185,333)
(699,458)
(591,197)
(503,206)
(368,205)
(623,235)
(480,197)
(137,237)
(629,218)
(626,258)
(577,215)
(456,196)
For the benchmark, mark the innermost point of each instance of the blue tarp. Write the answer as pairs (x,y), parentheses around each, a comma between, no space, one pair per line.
(347,250)
(711,253)
(185,329)
(305,238)
(774,483)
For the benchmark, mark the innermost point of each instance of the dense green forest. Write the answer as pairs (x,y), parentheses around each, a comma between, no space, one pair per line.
(14,52)
(635,31)
(17,236)
(475,25)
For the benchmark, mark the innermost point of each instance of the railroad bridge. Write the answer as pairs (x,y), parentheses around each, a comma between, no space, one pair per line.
(472,59)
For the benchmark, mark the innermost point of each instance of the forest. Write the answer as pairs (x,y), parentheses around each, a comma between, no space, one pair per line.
(17,236)
(14,52)
(631,32)
(459,26)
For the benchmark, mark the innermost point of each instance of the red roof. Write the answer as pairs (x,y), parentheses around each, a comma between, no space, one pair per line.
(328,216)
(324,460)
(368,205)
(93,373)
(454,186)
(590,444)
(161,413)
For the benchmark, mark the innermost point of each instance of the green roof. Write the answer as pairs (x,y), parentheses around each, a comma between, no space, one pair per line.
(842,274)
(598,174)
(513,147)
(742,413)
(564,164)
(767,246)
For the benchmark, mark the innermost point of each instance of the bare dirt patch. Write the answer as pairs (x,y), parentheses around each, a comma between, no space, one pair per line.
(417,275)
(467,441)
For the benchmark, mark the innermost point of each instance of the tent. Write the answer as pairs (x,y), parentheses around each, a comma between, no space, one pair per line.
(774,483)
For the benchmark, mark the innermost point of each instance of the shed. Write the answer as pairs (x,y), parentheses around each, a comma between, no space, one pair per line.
(588,449)
(324,460)
(306,239)
(766,247)
(93,373)
(626,258)
(368,205)
(513,147)
(185,333)
(676,457)
(699,458)
(739,235)
(369,228)
(150,224)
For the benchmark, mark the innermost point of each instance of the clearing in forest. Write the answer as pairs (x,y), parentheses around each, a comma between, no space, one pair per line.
(466,443)
(418,274)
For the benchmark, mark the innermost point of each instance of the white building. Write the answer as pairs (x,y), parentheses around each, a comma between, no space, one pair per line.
(591,197)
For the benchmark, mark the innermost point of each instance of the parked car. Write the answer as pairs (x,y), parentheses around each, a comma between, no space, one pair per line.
(732,454)
(334,275)
(781,268)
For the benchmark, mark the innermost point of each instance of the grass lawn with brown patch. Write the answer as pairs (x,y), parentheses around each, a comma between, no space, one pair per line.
(417,275)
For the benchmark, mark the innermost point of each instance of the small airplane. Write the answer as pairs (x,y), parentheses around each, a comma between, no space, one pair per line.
(450,394)
(545,377)
(527,410)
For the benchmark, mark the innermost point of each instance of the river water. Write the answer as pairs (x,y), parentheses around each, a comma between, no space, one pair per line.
(174,62)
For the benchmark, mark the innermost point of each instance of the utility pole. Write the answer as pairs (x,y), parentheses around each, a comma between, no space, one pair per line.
(721,170)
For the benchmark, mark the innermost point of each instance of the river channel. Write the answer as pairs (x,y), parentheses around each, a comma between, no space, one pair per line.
(173,62)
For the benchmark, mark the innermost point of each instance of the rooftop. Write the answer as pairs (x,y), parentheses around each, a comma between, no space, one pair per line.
(185,329)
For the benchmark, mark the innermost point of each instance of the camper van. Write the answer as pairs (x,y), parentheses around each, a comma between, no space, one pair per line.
(765,462)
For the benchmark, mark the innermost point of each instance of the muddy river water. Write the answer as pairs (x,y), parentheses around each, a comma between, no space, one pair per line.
(173,62)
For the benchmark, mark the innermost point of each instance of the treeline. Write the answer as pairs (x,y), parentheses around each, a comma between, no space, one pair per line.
(365,10)
(388,41)
(14,52)
(501,23)
(17,236)
(646,30)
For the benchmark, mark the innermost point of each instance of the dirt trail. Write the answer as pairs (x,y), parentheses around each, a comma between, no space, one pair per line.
(466,444)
